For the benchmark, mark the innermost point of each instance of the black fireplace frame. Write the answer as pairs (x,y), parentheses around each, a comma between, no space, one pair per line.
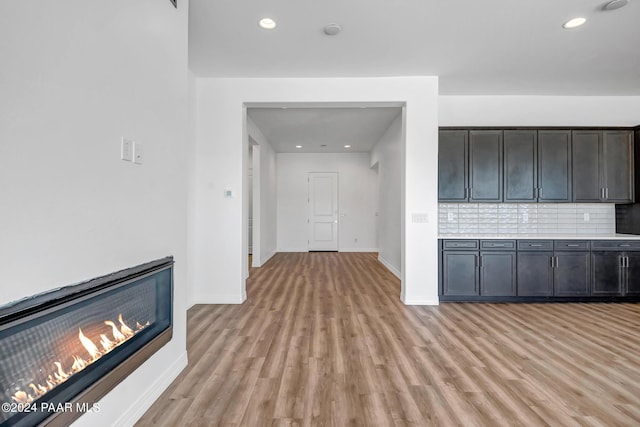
(30,307)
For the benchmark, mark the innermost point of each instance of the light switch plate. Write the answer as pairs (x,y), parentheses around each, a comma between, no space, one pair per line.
(126,149)
(420,217)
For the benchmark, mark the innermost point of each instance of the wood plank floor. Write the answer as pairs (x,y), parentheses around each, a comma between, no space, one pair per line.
(324,340)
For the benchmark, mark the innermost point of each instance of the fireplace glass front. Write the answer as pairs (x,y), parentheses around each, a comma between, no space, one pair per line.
(62,346)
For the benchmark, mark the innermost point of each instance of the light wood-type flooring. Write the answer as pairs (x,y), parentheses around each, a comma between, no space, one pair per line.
(324,340)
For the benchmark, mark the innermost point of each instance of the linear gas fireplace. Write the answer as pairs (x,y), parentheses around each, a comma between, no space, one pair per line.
(61,351)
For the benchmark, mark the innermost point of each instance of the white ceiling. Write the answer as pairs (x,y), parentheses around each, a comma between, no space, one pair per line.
(475,47)
(323,130)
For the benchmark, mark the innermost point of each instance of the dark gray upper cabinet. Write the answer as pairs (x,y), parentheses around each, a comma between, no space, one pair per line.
(485,166)
(520,166)
(554,166)
(452,165)
(617,166)
(602,166)
(586,166)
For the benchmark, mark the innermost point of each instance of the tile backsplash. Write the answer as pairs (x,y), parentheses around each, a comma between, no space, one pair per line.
(526,218)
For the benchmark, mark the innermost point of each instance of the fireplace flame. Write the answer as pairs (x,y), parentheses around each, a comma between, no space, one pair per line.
(89,345)
(119,337)
(126,331)
(60,375)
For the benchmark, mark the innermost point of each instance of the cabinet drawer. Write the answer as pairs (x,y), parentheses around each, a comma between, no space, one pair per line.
(571,245)
(498,244)
(613,245)
(460,244)
(535,245)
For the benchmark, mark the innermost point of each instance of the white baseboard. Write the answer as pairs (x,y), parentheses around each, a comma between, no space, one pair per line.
(419,301)
(390,267)
(137,409)
(358,250)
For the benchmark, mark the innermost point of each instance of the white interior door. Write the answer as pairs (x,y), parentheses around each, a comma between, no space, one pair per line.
(323,211)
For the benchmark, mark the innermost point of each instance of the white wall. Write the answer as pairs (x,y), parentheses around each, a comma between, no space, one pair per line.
(539,110)
(265,193)
(76,76)
(388,155)
(217,239)
(357,200)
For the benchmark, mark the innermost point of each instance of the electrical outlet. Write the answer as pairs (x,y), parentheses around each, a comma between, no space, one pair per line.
(451,217)
(587,217)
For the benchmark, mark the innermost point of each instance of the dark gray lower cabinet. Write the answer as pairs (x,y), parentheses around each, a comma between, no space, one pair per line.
(460,275)
(559,270)
(490,270)
(497,273)
(615,273)
(535,275)
(632,280)
(571,274)
(608,277)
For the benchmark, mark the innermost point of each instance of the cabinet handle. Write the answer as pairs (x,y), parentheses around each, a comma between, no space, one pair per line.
(552,261)
(533,245)
(470,192)
(624,245)
(480,263)
(626,259)
(621,263)
(536,193)
(602,193)
(556,261)
(475,260)
(539,192)
(498,245)
(573,246)
(606,193)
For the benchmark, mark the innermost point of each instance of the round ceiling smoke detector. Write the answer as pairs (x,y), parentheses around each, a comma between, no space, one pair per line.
(332,29)
(615,4)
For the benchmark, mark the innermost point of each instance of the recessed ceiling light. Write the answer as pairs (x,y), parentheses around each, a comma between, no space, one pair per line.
(573,23)
(298,146)
(323,145)
(615,4)
(347,146)
(267,23)
(332,29)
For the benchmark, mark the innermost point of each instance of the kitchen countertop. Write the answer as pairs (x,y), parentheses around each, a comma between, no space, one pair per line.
(614,236)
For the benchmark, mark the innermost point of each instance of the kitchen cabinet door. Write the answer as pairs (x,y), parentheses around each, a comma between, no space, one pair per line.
(460,273)
(534,274)
(617,166)
(497,273)
(452,166)
(554,166)
(632,279)
(586,166)
(485,166)
(607,278)
(571,274)
(520,166)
